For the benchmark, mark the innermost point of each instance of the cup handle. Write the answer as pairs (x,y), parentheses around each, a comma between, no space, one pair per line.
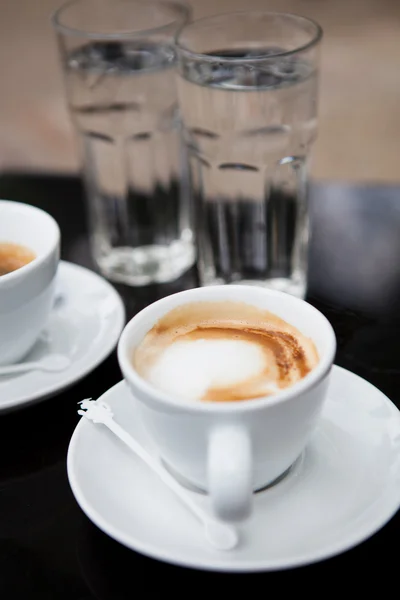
(230,472)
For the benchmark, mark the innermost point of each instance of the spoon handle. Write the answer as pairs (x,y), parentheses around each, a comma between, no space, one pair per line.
(156,466)
(20,368)
(221,536)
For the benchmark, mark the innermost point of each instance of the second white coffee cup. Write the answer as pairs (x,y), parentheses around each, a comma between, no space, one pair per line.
(26,294)
(230,449)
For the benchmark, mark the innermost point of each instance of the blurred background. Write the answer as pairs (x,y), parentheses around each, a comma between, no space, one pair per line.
(359,132)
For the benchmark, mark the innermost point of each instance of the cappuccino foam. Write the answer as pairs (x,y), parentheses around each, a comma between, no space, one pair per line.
(223,351)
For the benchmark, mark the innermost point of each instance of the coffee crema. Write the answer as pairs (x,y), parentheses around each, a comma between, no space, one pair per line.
(223,351)
(13,257)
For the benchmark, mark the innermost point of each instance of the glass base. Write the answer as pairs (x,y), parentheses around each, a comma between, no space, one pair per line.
(146,264)
(295,286)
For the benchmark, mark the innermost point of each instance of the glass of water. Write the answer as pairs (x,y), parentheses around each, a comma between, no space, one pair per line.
(247,88)
(119,62)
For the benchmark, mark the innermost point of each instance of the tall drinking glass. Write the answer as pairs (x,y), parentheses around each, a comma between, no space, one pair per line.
(119,61)
(247,88)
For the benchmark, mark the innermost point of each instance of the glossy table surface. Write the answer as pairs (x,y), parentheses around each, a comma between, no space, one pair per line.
(50,550)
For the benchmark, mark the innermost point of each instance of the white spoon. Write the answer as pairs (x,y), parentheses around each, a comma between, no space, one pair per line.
(220,535)
(50,363)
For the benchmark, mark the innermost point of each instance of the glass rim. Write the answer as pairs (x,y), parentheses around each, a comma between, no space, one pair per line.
(180,6)
(318,34)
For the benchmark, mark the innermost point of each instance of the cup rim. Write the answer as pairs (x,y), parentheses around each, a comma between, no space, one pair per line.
(159,397)
(254,58)
(179,5)
(38,260)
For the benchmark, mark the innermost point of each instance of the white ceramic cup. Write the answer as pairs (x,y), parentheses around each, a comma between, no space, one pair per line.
(26,294)
(230,449)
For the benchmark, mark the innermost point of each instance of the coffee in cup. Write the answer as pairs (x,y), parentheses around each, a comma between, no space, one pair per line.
(223,351)
(13,257)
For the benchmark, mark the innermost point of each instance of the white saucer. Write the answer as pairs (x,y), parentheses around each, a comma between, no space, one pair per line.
(343,489)
(85,324)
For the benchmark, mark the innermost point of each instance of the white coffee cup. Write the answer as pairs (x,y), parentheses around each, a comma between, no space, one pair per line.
(26,294)
(230,449)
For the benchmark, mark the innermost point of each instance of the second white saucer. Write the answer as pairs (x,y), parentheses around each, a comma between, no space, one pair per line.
(84,325)
(344,488)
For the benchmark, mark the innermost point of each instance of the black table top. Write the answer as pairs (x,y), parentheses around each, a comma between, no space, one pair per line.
(50,550)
